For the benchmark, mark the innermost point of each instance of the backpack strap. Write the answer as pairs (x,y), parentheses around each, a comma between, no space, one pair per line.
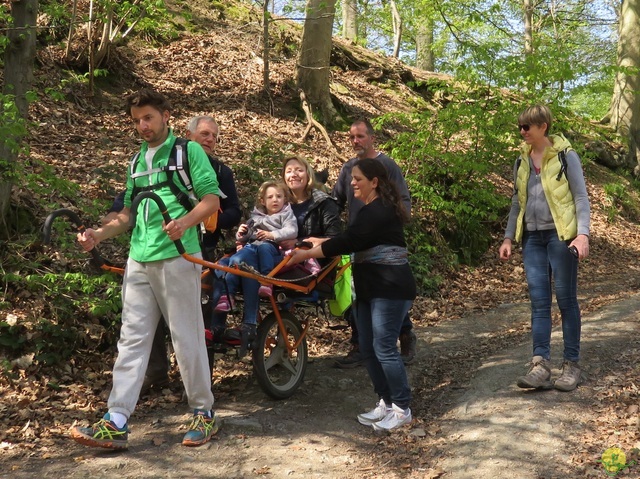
(216,164)
(562,156)
(515,175)
(177,162)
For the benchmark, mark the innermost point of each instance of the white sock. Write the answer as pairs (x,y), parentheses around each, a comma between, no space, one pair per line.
(120,420)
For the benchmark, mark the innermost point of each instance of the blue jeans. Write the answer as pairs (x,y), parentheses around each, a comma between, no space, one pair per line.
(379,321)
(261,257)
(407,326)
(545,255)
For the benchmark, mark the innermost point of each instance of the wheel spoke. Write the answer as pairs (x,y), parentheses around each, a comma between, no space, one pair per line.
(273,359)
(288,365)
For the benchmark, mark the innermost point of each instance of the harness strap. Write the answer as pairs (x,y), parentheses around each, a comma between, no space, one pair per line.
(180,168)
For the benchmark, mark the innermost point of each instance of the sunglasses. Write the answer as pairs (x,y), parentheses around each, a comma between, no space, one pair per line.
(524,127)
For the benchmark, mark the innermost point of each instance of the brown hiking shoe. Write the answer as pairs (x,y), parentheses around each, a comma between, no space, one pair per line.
(538,376)
(570,377)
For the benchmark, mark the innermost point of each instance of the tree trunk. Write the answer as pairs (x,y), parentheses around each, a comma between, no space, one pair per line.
(528,27)
(313,73)
(18,77)
(397,28)
(627,79)
(424,45)
(266,18)
(350,20)
(633,156)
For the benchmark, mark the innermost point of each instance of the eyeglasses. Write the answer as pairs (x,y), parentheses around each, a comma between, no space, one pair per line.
(524,127)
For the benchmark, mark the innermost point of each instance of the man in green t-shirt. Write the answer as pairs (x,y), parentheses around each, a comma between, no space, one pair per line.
(158,282)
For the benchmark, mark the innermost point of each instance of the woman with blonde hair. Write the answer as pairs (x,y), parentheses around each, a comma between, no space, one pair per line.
(550,215)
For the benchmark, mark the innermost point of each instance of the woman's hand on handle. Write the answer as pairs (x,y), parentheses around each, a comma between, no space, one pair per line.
(299,255)
(315,241)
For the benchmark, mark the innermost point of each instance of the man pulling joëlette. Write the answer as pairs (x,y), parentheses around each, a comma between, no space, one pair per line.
(158,282)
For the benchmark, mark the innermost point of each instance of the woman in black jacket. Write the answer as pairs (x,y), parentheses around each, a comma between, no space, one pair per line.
(384,286)
(317,213)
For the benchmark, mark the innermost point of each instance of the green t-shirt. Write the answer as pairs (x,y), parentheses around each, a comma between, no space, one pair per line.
(148,241)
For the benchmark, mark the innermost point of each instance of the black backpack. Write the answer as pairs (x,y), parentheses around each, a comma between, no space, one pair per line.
(178,163)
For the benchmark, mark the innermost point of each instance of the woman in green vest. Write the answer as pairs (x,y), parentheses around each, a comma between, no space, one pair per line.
(550,216)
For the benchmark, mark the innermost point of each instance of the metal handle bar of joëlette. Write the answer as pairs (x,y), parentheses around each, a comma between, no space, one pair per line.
(96,258)
(263,279)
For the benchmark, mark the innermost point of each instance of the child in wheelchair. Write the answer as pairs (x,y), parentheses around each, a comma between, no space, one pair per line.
(271,222)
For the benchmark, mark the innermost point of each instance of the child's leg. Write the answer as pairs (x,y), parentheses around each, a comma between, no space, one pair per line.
(247,255)
(268,255)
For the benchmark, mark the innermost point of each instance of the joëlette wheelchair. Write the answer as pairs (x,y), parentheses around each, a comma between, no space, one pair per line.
(280,353)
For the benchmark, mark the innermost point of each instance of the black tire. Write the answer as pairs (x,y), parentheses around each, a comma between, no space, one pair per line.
(279,374)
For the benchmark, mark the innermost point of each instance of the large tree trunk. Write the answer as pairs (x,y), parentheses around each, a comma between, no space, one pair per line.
(628,62)
(18,77)
(350,20)
(424,45)
(314,59)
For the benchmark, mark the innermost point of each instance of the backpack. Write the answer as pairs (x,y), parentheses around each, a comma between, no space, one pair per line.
(178,163)
(562,158)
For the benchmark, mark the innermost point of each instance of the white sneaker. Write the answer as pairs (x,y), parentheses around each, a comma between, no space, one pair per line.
(375,415)
(395,418)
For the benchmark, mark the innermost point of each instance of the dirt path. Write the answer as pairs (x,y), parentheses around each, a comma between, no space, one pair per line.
(486,426)
(496,428)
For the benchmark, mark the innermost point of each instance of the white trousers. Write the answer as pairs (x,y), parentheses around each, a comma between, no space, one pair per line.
(169,288)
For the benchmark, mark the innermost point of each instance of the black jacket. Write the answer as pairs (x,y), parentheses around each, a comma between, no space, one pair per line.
(322,218)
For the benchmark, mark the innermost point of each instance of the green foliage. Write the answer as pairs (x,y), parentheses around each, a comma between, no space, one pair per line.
(426,255)
(5,20)
(69,305)
(620,201)
(12,129)
(57,16)
(157,29)
(40,178)
(72,81)
(261,165)
(12,337)
(448,157)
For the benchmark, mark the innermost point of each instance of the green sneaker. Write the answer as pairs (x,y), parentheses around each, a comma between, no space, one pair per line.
(203,425)
(104,433)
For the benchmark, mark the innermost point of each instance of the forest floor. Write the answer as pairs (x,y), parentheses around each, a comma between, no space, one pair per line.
(470,421)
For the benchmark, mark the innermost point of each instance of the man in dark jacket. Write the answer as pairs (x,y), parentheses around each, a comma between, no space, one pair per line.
(204,130)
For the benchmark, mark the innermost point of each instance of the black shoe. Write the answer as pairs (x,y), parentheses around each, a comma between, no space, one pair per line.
(408,344)
(353,359)
(247,339)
